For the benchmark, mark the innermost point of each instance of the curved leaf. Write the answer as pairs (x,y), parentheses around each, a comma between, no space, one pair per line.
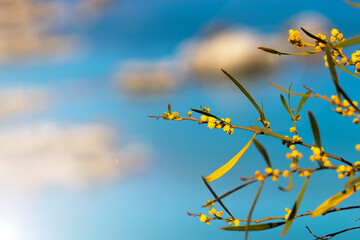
(315,129)
(353,4)
(295,208)
(287,91)
(271,133)
(255,227)
(263,152)
(285,104)
(246,93)
(273,51)
(205,113)
(345,70)
(302,102)
(290,185)
(332,67)
(252,209)
(313,36)
(349,42)
(335,200)
(225,168)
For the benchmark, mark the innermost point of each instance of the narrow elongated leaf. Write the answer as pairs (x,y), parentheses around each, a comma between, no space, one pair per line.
(229,192)
(353,4)
(332,67)
(285,90)
(345,70)
(295,208)
(271,133)
(252,209)
(273,51)
(290,185)
(263,152)
(290,98)
(246,93)
(225,168)
(349,42)
(302,102)
(215,196)
(315,129)
(283,101)
(335,200)
(205,113)
(255,227)
(169,108)
(313,36)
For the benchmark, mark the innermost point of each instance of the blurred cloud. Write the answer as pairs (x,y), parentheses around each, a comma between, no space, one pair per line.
(34,28)
(150,77)
(20,101)
(201,58)
(46,155)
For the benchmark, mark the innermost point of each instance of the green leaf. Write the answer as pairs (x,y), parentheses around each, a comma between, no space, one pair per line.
(285,104)
(349,42)
(353,4)
(345,70)
(205,113)
(255,227)
(263,152)
(302,102)
(332,67)
(313,36)
(295,208)
(215,196)
(290,185)
(252,209)
(225,168)
(229,192)
(169,108)
(285,90)
(273,51)
(315,129)
(246,93)
(271,133)
(335,200)
(290,98)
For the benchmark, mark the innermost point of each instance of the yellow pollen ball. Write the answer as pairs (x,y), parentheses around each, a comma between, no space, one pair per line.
(293,166)
(356,121)
(212,211)
(327,164)
(286,173)
(292,147)
(288,155)
(307,174)
(219,213)
(276,172)
(294,153)
(268,170)
(357,147)
(340,176)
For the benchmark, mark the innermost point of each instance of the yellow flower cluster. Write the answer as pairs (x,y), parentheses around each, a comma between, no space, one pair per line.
(293,130)
(355,58)
(273,173)
(213,212)
(345,108)
(342,170)
(288,213)
(213,123)
(336,36)
(173,116)
(294,156)
(294,38)
(319,46)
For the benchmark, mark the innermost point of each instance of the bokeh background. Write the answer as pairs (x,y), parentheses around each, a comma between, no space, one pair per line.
(80,159)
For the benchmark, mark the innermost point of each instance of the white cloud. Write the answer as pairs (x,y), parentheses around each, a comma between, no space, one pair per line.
(141,77)
(48,155)
(18,101)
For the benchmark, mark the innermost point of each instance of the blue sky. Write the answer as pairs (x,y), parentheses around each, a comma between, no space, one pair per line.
(152,202)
